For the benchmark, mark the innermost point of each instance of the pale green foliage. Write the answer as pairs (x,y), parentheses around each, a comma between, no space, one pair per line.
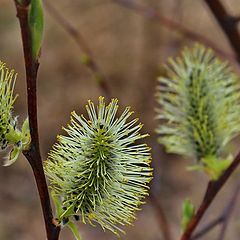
(200,108)
(98,169)
(188,211)
(9,133)
(36,25)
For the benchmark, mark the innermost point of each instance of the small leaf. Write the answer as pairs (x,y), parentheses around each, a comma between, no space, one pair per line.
(188,211)
(57,204)
(74,230)
(25,135)
(14,135)
(36,24)
(212,166)
(12,157)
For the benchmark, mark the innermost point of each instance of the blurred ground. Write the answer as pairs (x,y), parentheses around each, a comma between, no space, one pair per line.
(130,50)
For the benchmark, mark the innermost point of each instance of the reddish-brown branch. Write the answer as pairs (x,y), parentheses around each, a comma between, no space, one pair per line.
(33,154)
(222,219)
(163,222)
(153,14)
(83,46)
(229,211)
(213,189)
(228,23)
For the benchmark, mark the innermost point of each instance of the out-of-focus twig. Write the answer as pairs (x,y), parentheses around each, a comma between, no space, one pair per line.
(33,155)
(213,189)
(208,228)
(228,23)
(153,14)
(222,219)
(163,222)
(229,212)
(87,57)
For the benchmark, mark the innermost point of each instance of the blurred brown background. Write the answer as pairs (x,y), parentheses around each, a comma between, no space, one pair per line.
(129,49)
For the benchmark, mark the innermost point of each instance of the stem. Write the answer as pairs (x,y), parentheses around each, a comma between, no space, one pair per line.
(228,212)
(33,154)
(222,219)
(228,23)
(213,189)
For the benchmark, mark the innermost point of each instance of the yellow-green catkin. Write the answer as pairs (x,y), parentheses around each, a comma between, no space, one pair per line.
(99,170)
(199,108)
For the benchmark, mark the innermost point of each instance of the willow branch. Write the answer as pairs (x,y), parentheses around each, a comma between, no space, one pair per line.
(222,219)
(33,154)
(228,23)
(208,227)
(152,14)
(229,212)
(87,56)
(213,189)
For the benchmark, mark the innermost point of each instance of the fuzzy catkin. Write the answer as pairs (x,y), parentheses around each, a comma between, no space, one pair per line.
(98,170)
(199,105)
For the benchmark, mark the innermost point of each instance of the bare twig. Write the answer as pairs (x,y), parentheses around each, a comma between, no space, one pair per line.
(213,189)
(153,14)
(33,154)
(87,56)
(228,24)
(222,219)
(208,227)
(163,222)
(229,212)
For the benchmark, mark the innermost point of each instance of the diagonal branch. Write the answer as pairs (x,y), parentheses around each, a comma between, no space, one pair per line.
(213,189)
(33,154)
(153,14)
(228,23)
(222,219)
(87,56)
(229,211)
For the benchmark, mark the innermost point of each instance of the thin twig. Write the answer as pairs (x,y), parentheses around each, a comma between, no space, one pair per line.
(163,222)
(153,14)
(229,212)
(208,227)
(87,56)
(222,219)
(228,23)
(33,154)
(213,189)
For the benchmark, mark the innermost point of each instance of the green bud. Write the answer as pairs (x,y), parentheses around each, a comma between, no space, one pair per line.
(188,211)
(36,25)
(200,108)
(98,171)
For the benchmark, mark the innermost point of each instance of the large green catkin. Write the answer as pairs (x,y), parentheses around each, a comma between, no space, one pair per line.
(200,108)
(98,170)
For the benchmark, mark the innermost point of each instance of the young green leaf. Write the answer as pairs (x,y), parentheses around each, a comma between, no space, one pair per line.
(188,211)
